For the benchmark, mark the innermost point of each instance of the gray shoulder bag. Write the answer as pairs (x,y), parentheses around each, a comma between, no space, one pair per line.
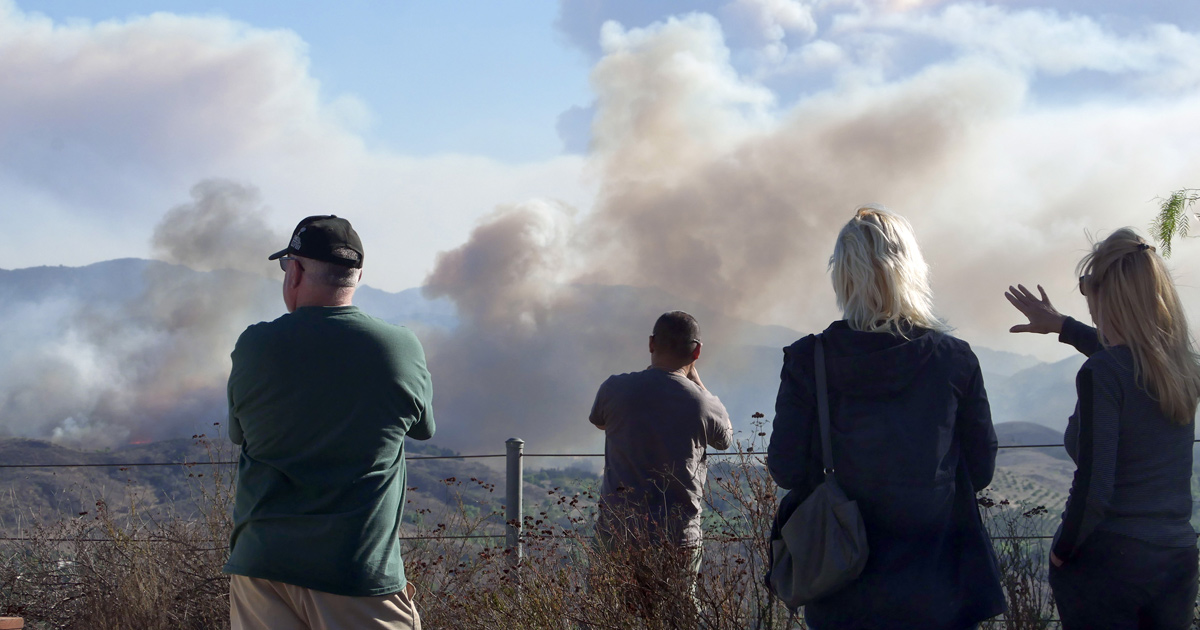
(822,546)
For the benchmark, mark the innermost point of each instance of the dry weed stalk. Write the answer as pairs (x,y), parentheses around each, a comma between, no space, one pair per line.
(565,581)
(150,571)
(1023,557)
(134,569)
(742,500)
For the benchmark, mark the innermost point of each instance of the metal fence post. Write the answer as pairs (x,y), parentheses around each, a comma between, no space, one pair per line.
(514,485)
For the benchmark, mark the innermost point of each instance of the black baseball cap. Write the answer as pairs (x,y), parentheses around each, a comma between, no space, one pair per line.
(320,236)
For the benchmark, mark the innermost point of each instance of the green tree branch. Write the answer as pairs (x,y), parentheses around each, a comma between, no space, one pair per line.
(1174,218)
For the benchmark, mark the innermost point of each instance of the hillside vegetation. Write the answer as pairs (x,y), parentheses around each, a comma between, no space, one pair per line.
(143,546)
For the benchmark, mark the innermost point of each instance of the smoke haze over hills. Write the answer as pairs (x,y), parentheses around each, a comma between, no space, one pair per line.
(724,149)
(708,191)
(145,359)
(47,391)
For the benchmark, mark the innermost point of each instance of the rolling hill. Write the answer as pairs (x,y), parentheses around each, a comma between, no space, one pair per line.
(64,323)
(48,310)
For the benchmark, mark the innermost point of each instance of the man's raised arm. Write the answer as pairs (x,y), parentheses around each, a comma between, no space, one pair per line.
(599,416)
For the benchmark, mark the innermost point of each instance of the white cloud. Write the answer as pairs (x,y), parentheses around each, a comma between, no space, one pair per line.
(770,21)
(1127,48)
(105,126)
(1045,41)
(821,54)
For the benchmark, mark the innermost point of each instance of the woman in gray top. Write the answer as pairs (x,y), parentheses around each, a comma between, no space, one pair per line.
(1125,554)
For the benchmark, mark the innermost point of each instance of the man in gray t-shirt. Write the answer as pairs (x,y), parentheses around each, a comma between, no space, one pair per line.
(657,424)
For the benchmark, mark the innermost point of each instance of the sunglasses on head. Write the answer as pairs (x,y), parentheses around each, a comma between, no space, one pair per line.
(1085,284)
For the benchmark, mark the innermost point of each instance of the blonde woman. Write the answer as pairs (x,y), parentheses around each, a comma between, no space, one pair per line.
(911,433)
(1125,554)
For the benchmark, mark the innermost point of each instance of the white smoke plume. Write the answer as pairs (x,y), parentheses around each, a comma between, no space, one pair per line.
(146,363)
(715,193)
(103,124)
(727,148)
(530,348)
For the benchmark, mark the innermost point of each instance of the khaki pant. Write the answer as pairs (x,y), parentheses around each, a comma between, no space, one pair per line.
(256,604)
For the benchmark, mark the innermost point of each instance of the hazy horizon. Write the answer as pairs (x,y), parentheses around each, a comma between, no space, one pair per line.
(500,158)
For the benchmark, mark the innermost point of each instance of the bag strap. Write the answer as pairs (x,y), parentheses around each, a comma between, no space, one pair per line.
(823,406)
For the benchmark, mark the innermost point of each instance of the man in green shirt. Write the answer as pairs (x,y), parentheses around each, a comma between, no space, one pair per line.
(320,401)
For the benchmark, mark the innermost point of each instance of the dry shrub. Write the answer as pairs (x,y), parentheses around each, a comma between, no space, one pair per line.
(563,580)
(742,500)
(152,571)
(102,569)
(452,558)
(1023,554)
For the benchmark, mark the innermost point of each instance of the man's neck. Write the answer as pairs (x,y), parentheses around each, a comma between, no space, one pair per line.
(669,366)
(325,298)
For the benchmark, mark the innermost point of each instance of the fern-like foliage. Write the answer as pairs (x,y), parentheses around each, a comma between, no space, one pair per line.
(1174,218)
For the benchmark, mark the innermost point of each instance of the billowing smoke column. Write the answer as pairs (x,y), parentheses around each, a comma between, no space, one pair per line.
(542,323)
(223,228)
(150,363)
(530,349)
(710,195)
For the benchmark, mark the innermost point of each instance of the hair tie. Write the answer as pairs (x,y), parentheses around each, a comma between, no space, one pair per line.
(1144,246)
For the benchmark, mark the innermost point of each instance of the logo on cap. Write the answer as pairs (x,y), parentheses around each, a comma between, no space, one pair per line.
(329,238)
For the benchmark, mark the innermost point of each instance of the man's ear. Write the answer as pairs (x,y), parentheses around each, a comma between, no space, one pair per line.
(293,278)
(651,344)
(696,351)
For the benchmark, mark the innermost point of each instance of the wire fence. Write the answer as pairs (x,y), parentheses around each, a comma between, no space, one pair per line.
(514,527)
(519,536)
(229,462)
(427,457)
(410,458)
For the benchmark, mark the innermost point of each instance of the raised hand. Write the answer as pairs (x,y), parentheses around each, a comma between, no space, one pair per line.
(693,375)
(1043,317)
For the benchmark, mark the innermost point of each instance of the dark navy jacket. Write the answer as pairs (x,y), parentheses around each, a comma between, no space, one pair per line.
(912,442)
(1134,465)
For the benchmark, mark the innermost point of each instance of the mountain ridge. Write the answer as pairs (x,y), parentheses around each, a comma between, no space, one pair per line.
(40,307)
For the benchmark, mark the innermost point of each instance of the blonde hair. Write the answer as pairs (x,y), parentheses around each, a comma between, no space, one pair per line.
(879,276)
(1131,296)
